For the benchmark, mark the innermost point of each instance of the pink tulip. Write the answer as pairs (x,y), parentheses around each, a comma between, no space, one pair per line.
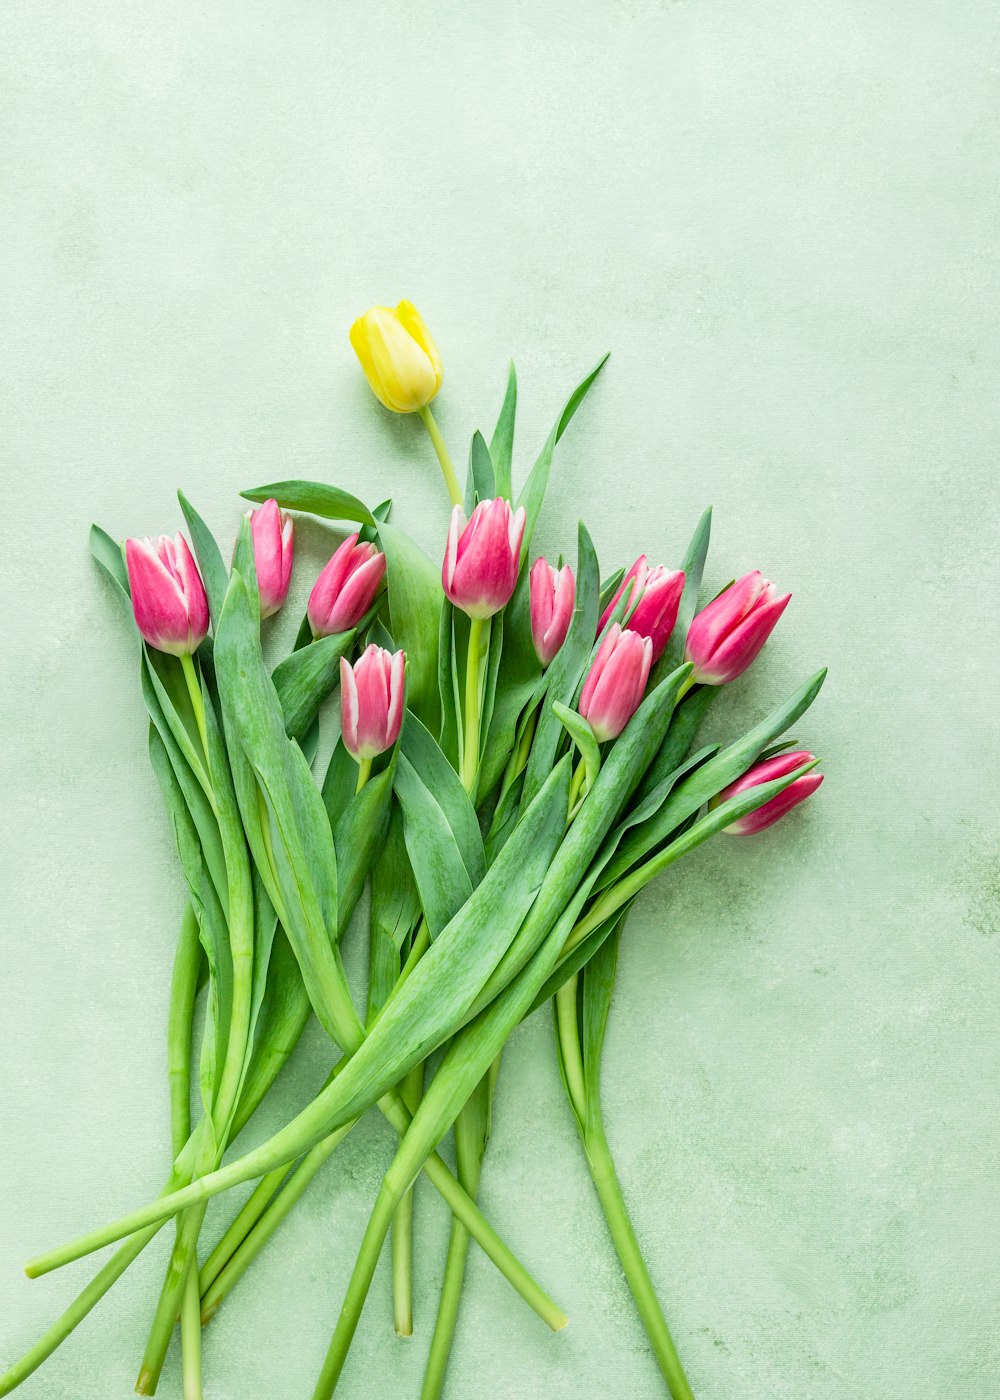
(346,588)
(613,689)
(655,597)
(371,702)
(483,557)
(168,596)
(727,635)
(553,593)
(272,551)
(778,767)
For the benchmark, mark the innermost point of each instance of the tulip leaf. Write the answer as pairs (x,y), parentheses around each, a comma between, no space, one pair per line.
(693,565)
(598,986)
(683,728)
(395,910)
(214,573)
(442,879)
(415,600)
(316,498)
(502,441)
(444,785)
(579,956)
(109,555)
(533,491)
(583,736)
(480,483)
(357,838)
(517,676)
(307,676)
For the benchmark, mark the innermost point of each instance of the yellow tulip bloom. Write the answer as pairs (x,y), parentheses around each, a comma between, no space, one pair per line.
(399,357)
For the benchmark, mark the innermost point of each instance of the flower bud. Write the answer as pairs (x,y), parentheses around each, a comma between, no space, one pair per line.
(398,356)
(371,702)
(778,767)
(727,635)
(483,557)
(346,588)
(168,596)
(272,551)
(553,593)
(655,598)
(613,689)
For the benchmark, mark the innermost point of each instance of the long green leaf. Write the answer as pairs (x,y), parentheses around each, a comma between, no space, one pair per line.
(329,502)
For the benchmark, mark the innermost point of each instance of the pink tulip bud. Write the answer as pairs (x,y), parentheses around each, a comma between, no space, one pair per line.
(371,701)
(272,551)
(778,767)
(483,557)
(346,588)
(613,689)
(553,593)
(727,635)
(168,596)
(655,597)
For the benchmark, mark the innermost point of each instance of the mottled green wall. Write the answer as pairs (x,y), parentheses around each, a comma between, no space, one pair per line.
(781,218)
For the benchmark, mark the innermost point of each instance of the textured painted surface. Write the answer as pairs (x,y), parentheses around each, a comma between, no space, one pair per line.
(781,218)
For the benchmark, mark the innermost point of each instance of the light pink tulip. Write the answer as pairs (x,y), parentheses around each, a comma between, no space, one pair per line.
(613,689)
(371,701)
(778,767)
(168,596)
(553,593)
(273,535)
(346,588)
(727,635)
(483,557)
(655,597)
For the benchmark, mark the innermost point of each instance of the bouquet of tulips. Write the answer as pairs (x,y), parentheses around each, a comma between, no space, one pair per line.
(518,756)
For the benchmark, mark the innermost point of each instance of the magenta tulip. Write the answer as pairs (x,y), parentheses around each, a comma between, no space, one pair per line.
(727,635)
(371,702)
(613,689)
(346,588)
(168,596)
(655,599)
(553,593)
(483,557)
(778,767)
(272,551)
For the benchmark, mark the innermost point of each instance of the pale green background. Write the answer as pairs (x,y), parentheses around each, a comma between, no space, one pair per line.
(781,218)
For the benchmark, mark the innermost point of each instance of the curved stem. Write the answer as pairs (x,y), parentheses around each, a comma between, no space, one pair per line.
(197,700)
(470,753)
(447,469)
(242,1224)
(568,1030)
(447,1314)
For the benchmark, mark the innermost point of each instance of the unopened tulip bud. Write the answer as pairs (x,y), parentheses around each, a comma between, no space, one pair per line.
(483,557)
(346,588)
(168,596)
(272,551)
(772,768)
(726,636)
(655,599)
(398,356)
(613,689)
(552,593)
(371,702)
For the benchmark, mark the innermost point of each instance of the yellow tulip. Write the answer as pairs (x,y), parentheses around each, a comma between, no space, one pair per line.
(398,356)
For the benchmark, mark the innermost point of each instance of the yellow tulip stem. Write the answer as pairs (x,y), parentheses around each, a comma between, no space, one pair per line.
(447,470)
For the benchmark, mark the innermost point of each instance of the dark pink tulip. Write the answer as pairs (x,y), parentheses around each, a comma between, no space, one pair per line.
(168,596)
(655,597)
(272,551)
(727,635)
(613,689)
(778,767)
(371,702)
(483,557)
(553,593)
(346,588)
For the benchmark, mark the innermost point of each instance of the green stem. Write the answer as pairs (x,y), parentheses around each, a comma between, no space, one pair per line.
(233,1268)
(577,790)
(470,755)
(447,470)
(421,942)
(170,1302)
(602,1170)
(191,1336)
(197,699)
(402,1227)
(567,1027)
(254,1207)
(447,1314)
(364,773)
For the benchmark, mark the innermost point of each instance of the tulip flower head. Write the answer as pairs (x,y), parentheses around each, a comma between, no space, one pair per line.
(398,355)
(483,557)
(655,599)
(168,596)
(778,767)
(613,689)
(726,636)
(346,588)
(552,593)
(371,702)
(272,551)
